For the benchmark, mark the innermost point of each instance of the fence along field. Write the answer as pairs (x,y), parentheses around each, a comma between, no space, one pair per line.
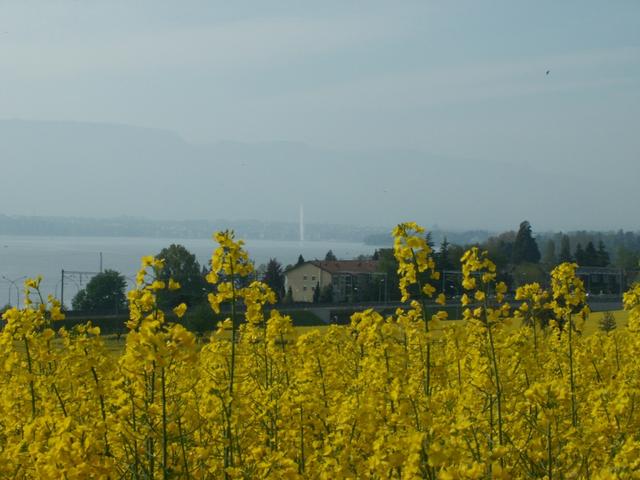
(402,396)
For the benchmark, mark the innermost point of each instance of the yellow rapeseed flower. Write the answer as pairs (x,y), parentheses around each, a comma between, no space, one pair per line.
(180,310)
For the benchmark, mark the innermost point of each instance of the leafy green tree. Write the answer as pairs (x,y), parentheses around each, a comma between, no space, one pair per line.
(326,294)
(627,258)
(549,257)
(181,266)
(500,248)
(525,248)
(388,265)
(455,254)
(330,257)
(529,273)
(565,250)
(258,273)
(105,292)
(300,260)
(274,277)
(607,322)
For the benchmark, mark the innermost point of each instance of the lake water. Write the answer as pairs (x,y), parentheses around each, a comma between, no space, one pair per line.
(28,256)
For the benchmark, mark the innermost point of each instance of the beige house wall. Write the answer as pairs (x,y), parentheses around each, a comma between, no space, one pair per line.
(303,280)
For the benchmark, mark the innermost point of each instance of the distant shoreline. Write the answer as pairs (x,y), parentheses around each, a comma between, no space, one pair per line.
(187,229)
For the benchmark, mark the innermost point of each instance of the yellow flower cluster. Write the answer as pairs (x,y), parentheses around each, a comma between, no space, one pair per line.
(413,254)
(395,396)
(631,301)
(568,291)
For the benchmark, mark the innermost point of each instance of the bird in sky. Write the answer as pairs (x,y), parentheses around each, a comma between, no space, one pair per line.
(547,72)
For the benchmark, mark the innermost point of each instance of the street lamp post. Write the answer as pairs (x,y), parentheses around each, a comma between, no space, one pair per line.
(386,288)
(382,289)
(9,296)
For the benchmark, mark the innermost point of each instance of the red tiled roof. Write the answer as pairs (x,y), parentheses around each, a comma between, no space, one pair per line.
(348,266)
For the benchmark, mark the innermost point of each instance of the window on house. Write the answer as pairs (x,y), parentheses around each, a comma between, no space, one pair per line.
(313,278)
(304,288)
(305,277)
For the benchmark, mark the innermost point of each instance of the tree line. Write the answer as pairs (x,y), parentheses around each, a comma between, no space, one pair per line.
(516,254)
(106,291)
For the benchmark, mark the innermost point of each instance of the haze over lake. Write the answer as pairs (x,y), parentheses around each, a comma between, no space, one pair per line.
(462,115)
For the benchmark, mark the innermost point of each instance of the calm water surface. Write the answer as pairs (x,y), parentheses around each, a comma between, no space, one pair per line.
(28,256)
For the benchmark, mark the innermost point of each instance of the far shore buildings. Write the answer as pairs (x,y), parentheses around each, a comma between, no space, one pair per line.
(350,280)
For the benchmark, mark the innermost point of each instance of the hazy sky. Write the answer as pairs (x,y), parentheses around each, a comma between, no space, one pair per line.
(459,79)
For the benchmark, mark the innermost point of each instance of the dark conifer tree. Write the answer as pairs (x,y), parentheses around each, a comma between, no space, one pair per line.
(429,240)
(525,248)
(603,255)
(330,257)
(443,262)
(579,255)
(549,257)
(316,293)
(274,277)
(565,250)
(591,256)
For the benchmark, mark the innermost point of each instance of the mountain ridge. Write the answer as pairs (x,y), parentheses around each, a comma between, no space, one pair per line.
(106,170)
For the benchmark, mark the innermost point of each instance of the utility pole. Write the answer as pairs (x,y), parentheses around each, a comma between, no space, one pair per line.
(72,273)
(62,288)
(12,283)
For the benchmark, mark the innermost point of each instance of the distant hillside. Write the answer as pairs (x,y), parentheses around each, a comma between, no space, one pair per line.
(437,236)
(67,169)
(140,227)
